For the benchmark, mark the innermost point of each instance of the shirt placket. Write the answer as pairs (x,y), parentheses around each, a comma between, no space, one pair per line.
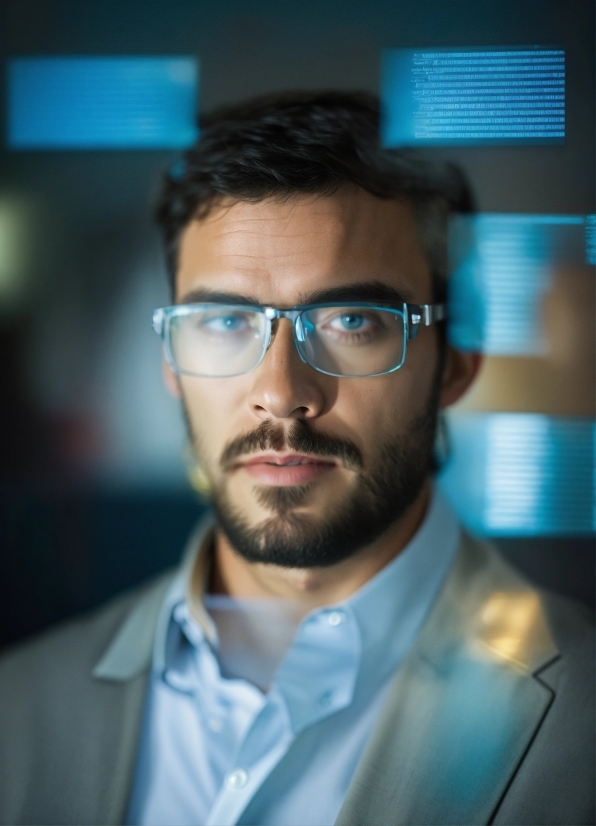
(276,725)
(264,743)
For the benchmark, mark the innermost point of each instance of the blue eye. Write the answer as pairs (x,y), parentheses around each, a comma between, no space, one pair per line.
(230,322)
(352,325)
(352,321)
(349,322)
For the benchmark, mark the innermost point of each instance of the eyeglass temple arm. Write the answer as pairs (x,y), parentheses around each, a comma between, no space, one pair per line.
(157,321)
(424,315)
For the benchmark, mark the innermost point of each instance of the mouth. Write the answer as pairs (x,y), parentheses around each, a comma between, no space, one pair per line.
(286,469)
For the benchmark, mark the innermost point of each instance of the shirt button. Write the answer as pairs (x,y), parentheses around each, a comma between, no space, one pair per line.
(326,698)
(237,779)
(336,618)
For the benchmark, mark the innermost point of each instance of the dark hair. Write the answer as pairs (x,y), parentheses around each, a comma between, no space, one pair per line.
(307,142)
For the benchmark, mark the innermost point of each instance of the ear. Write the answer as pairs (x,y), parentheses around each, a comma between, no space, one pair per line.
(170,379)
(460,370)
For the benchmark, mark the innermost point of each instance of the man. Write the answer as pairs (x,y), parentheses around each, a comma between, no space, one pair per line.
(333,649)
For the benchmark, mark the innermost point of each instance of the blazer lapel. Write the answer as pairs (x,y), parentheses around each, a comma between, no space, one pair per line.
(464,706)
(121,677)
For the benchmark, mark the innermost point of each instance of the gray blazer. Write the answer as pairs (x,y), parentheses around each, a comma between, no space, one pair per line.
(490,718)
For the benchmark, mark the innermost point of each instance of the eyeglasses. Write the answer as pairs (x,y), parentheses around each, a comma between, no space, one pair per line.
(351,339)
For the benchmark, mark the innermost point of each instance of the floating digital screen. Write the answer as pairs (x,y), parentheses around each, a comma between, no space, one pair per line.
(522,474)
(591,239)
(102,103)
(501,269)
(448,97)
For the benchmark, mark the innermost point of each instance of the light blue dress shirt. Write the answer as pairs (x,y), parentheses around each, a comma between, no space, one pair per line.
(216,750)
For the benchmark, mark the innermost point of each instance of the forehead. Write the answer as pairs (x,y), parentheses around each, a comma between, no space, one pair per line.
(280,252)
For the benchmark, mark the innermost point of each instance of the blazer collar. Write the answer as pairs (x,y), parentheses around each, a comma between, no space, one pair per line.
(125,666)
(142,637)
(129,652)
(464,706)
(463,709)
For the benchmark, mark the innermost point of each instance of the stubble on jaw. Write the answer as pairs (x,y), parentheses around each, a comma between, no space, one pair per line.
(378,499)
(282,499)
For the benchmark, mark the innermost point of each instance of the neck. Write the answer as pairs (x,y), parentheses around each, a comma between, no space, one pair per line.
(314,587)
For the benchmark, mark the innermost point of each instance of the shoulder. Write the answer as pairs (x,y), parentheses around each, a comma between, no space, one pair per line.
(555,782)
(571,623)
(60,724)
(549,636)
(571,676)
(73,646)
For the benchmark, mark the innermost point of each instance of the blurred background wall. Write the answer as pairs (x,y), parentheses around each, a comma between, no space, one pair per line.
(93,486)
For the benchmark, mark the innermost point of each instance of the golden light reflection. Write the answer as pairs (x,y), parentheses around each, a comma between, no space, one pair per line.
(513,627)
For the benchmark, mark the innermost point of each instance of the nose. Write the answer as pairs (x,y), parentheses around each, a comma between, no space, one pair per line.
(284,386)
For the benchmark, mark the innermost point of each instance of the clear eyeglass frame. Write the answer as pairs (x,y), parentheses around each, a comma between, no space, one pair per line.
(413,317)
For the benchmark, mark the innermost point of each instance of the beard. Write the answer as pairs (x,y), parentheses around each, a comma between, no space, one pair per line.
(380,497)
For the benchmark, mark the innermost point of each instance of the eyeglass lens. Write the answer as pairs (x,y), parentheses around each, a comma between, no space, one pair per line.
(353,341)
(343,341)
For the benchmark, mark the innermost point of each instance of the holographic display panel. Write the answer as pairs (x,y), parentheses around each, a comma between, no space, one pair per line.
(102,103)
(465,96)
(591,239)
(522,474)
(501,268)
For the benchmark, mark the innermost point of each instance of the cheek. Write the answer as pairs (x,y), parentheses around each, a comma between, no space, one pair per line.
(420,368)
(212,405)
(375,410)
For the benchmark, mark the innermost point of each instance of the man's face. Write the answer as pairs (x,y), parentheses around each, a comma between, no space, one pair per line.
(362,445)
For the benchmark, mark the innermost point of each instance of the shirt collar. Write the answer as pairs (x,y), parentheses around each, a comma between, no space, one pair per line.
(189,583)
(344,653)
(391,607)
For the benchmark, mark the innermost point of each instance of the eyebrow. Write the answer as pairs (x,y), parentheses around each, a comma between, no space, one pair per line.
(361,291)
(204,296)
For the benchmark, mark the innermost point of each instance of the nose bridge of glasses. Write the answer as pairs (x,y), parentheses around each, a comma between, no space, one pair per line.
(275,314)
(293,316)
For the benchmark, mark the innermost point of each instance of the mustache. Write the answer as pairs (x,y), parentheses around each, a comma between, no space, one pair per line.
(268,436)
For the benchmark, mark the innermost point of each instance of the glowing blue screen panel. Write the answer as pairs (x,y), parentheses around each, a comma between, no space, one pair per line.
(522,474)
(462,97)
(102,103)
(502,267)
(591,239)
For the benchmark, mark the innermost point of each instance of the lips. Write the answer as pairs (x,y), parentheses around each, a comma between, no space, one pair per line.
(286,469)
(278,459)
